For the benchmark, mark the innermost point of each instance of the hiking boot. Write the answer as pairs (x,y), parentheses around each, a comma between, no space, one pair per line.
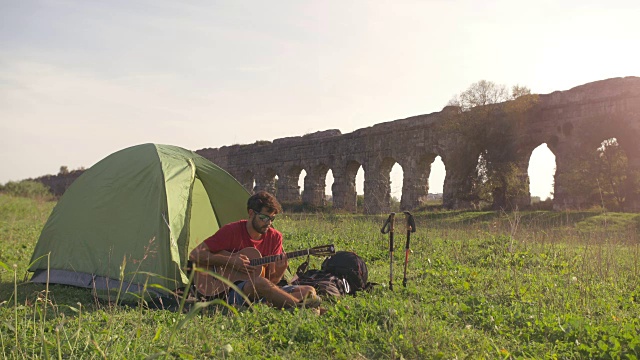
(319,311)
(311,301)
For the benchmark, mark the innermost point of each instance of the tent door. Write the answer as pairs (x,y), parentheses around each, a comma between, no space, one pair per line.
(203,221)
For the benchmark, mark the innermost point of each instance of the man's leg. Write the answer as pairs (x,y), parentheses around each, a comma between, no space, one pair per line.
(300,292)
(260,287)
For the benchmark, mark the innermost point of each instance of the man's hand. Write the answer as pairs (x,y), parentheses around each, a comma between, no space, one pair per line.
(277,269)
(281,262)
(242,264)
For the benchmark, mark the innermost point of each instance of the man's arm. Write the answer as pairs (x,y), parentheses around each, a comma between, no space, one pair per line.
(276,270)
(203,257)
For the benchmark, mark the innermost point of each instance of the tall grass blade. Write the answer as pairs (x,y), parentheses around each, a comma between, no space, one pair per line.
(5,266)
(15,303)
(97,347)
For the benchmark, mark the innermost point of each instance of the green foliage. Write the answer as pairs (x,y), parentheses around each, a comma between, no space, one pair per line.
(21,220)
(360,202)
(546,204)
(298,207)
(490,115)
(26,188)
(609,222)
(394,204)
(481,93)
(601,178)
(480,285)
(611,166)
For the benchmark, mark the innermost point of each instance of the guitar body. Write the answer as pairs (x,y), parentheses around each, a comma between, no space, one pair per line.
(210,286)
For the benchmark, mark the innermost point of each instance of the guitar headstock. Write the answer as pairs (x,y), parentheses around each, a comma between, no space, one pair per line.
(323,250)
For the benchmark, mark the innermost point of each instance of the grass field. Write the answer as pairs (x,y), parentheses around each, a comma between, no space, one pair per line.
(480,285)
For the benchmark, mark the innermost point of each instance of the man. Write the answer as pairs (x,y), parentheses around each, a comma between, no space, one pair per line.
(221,251)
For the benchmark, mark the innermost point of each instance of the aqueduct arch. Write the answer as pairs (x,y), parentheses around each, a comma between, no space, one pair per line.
(287,188)
(314,184)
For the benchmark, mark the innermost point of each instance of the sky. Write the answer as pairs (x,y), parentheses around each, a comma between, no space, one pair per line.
(80,80)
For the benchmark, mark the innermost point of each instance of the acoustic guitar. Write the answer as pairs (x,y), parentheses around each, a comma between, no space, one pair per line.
(208,285)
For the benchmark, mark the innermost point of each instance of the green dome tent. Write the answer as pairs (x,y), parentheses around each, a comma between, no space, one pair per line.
(135,216)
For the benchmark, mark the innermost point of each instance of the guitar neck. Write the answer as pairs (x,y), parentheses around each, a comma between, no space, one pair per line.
(274,258)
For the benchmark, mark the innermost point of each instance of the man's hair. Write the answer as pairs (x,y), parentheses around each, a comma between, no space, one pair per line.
(263,199)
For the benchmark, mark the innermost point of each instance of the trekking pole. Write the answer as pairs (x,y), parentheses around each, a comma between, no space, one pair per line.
(411,227)
(388,228)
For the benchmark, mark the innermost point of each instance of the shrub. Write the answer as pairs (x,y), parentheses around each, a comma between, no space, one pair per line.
(26,188)
(546,204)
(300,207)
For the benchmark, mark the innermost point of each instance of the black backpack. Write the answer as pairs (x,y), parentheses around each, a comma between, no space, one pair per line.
(349,266)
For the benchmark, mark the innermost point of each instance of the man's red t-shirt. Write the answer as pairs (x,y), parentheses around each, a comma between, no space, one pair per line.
(235,237)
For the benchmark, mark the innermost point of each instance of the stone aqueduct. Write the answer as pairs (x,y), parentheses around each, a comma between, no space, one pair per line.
(569,122)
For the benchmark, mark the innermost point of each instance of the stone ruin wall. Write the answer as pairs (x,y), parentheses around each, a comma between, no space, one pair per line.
(569,122)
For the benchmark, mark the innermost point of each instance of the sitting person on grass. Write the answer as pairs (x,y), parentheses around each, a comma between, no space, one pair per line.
(230,250)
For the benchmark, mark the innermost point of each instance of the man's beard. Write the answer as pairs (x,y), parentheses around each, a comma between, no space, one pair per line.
(259,226)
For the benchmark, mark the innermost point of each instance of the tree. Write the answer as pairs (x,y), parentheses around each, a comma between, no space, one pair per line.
(486,92)
(601,177)
(518,91)
(495,116)
(611,165)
